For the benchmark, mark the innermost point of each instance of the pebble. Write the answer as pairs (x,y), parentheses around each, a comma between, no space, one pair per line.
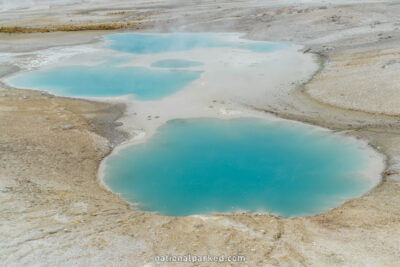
(66,127)
(44,93)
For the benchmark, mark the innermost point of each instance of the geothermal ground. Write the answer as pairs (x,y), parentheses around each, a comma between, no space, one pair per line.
(54,210)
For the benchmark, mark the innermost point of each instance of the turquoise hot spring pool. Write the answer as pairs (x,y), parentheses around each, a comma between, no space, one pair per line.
(209,165)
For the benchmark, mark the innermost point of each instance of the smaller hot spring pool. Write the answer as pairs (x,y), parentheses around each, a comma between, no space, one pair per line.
(144,66)
(203,166)
(107,81)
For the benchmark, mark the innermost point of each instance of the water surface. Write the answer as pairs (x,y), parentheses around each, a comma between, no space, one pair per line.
(106,81)
(173,42)
(115,76)
(208,165)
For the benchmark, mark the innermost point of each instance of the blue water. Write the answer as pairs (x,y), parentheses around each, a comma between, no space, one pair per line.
(209,165)
(173,42)
(106,81)
(109,79)
(176,63)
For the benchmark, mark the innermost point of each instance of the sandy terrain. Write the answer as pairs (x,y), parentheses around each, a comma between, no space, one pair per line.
(375,95)
(54,211)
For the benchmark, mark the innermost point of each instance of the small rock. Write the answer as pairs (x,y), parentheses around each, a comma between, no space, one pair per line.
(118,123)
(6,189)
(66,127)
(197,225)
(389,173)
(44,93)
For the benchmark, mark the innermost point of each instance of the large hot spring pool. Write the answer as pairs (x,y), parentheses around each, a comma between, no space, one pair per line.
(210,165)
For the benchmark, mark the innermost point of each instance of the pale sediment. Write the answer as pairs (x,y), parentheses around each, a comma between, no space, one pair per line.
(381,64)
(54,210)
